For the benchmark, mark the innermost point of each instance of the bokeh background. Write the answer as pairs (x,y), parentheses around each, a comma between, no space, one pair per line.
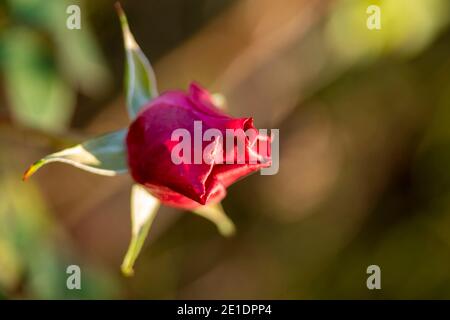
(364,119)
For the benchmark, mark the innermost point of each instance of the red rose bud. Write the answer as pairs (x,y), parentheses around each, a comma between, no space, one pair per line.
(186,151)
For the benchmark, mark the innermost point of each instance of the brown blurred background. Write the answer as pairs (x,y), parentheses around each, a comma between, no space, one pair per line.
(364,119)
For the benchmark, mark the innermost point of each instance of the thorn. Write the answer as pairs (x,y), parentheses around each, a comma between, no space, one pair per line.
(127,271)
(130,42)
(26,175)
(118,7)
(31,170)
(127,267)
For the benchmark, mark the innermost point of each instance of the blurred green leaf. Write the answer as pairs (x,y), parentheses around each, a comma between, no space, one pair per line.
(143,211)
(140,82)
(407,27)
(77,53)
(37,266)
(104,155)
(10,265)
(39,97)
